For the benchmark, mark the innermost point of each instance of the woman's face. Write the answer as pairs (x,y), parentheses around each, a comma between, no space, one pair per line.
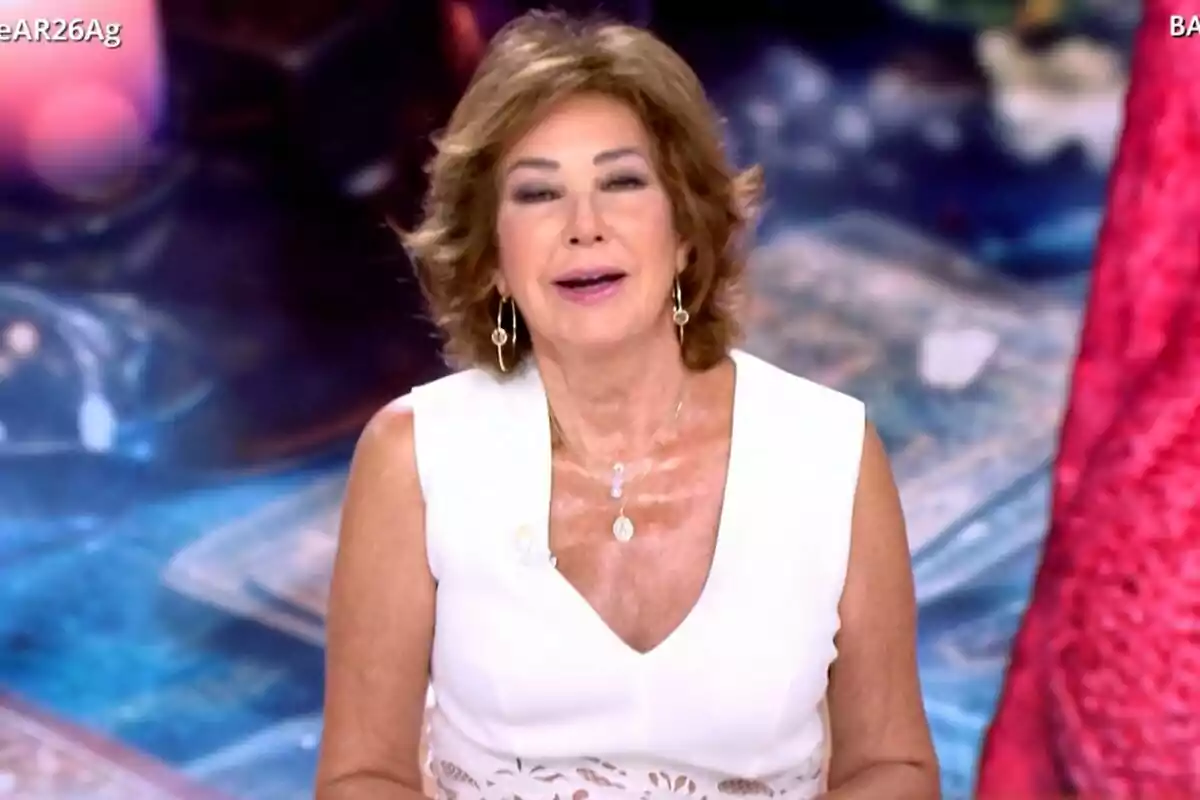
(586,238)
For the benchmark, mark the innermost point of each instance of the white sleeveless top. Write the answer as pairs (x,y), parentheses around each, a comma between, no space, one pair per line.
(536,698)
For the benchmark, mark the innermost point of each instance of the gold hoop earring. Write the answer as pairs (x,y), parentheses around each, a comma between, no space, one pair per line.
(679,315)
(501,337)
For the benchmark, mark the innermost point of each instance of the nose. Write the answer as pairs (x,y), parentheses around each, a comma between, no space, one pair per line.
(583,227)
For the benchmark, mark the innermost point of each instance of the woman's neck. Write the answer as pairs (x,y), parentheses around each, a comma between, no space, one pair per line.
(613,407)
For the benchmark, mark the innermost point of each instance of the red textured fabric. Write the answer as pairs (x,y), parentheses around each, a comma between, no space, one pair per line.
(1102,696)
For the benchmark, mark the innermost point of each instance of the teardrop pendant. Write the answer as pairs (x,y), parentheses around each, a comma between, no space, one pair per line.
(622,528)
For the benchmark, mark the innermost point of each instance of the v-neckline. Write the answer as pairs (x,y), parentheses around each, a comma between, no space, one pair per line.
(729,497)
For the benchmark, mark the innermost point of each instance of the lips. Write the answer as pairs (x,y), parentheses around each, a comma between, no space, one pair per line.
(589,280)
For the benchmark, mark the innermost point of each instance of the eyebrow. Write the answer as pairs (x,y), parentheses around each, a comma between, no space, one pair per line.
(603,157)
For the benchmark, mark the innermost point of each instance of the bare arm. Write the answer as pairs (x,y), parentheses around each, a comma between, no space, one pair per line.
(881,742)
(380,625)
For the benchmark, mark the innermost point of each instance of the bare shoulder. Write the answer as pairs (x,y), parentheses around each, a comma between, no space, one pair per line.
(380,621)
(880,568)
(388,440)
(877,497)
(880,733)
(383,491)
(383,519)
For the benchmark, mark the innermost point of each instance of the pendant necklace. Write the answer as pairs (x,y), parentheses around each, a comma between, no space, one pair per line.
(622,527)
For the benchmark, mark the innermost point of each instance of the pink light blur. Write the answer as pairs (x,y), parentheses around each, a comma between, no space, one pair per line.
(73,114)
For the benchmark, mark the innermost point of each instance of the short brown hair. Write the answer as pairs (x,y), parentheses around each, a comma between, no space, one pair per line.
(532,63)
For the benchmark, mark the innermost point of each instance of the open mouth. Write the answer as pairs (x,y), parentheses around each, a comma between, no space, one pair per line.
(583,282)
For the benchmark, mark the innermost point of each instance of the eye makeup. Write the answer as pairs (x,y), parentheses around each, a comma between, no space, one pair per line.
(532,193)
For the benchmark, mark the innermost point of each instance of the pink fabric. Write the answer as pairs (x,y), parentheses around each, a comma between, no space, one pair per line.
(1102,697)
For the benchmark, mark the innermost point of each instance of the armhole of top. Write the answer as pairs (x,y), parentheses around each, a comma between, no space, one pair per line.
(425,450)
(856,432)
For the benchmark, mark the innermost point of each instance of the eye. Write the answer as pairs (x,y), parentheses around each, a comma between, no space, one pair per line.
(533,194)
(620,183)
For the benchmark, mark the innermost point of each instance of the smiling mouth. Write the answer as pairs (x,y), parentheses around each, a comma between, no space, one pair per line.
(590,281)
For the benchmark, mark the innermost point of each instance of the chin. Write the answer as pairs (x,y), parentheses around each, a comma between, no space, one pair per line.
(602,339)
(599,344)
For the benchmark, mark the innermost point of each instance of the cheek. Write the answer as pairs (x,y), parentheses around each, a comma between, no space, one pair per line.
(521,243)
(650,230)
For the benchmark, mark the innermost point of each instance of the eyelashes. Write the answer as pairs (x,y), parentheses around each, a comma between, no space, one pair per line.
(544,194)
(527,195)
(624,182)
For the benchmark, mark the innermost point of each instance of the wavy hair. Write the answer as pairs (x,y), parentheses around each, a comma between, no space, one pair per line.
(534,62)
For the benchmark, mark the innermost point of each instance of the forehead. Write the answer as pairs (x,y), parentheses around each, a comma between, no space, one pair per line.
(584,124)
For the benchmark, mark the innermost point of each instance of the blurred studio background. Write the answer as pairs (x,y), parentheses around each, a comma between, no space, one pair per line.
(200,306)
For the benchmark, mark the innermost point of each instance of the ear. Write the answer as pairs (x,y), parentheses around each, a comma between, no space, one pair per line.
(682,253)
(501,284)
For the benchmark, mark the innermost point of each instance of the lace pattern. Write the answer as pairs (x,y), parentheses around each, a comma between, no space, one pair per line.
(598,779)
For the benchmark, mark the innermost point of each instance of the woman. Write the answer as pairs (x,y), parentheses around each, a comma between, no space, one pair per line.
(629,559)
